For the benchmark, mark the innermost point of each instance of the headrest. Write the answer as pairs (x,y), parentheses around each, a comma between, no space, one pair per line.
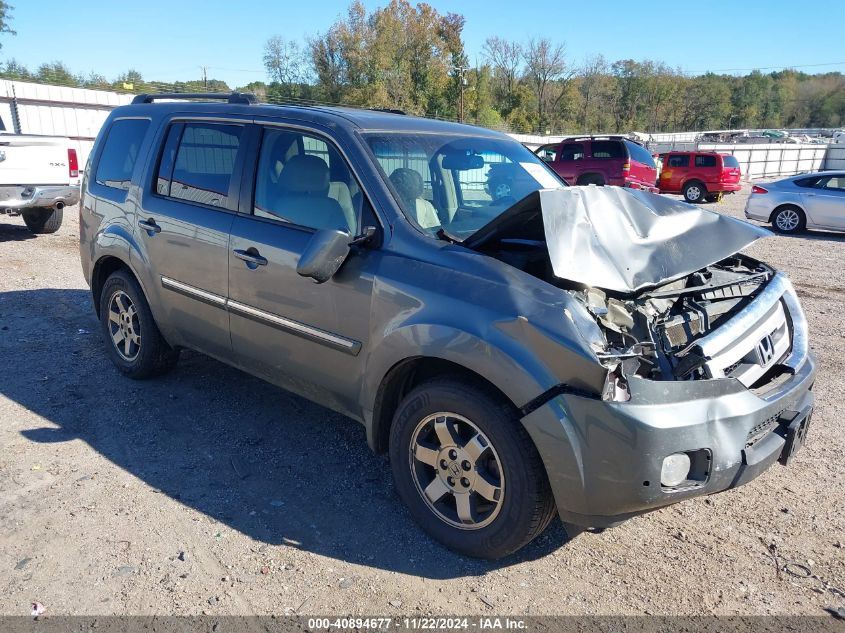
(408,183)
(305,174)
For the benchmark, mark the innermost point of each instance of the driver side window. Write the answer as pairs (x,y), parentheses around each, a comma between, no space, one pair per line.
(303,180)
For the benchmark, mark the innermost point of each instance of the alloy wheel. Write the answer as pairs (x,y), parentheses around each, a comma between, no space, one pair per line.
(787,220)
(693,193)
(456,471)
(124,326)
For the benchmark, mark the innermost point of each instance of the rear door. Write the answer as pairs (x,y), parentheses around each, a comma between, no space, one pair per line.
(707,168)
(33,160)
(825,204)
(642,168)
(301,335)
(570,161)
(675,169)
(183,228)
(731,172)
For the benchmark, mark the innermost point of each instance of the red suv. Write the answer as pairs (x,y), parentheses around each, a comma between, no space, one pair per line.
(700,176)
(601,160)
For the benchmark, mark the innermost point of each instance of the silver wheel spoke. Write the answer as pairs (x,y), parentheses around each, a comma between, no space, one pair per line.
(435,490)
(127,346)
(475,447)
(486,489)
(425,455)
(114,317)
(464,506)
(117,337)
(120,300)
(444,433)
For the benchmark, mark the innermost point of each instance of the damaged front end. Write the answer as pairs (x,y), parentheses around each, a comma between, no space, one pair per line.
(655,334)
(663,280)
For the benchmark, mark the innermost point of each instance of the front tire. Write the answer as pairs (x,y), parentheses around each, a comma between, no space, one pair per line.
(133,340)
(467,469)
(789,220)
(43,221)
(694,192)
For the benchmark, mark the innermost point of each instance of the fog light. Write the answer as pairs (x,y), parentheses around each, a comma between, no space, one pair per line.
(675,469)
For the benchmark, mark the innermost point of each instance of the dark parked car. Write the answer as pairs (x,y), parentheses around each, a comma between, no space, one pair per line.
(699,176)
(516,352)
(602,160)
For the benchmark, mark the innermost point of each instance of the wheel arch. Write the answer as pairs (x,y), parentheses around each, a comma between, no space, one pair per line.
(103,268)
(404,376)
(784,206)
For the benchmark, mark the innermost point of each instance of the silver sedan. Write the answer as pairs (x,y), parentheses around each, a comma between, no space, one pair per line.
(808,201)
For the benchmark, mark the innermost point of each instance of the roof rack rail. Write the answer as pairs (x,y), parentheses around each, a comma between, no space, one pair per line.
(388,110)
(231,97)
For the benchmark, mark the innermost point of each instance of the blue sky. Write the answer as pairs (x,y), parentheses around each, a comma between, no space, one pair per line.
(170,40)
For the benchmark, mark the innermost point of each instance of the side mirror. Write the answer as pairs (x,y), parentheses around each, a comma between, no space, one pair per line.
(324,255)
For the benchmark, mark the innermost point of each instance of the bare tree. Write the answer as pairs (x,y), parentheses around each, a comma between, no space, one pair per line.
(286,63)
(505,57)
(547,72)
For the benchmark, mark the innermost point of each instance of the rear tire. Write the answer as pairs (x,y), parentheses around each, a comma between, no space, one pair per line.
(591,179)
(695,192)
(133,340)
(467,469)
(789,220)
(43,221)
(713,197)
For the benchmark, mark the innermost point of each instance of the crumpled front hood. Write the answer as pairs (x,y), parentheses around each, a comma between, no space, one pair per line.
(623,239)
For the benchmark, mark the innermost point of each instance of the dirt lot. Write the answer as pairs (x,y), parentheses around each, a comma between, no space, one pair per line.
(210,491)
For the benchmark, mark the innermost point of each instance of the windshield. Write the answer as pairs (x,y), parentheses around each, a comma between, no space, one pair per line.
(458,183)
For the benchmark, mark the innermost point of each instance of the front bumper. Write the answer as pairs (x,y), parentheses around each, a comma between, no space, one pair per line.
(604,459)
(19,197)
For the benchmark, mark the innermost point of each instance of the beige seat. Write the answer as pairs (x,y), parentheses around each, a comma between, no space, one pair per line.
(409,186)
(339,191)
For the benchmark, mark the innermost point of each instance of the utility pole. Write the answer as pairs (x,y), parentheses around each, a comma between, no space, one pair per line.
(462,82)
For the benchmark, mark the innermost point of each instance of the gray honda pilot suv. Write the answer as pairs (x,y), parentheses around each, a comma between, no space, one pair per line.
(519,347)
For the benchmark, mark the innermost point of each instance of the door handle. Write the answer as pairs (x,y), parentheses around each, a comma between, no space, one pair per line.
(253,257)
(149,226)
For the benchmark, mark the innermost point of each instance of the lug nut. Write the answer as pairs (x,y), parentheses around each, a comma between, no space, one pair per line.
(466,465)
(450,481)
(443,464)
(465,482)
(453,454)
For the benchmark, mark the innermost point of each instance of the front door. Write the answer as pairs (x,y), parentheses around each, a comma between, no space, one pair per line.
(304,336)
(184,227)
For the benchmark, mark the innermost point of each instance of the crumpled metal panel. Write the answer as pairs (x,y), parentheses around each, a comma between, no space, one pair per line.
(626,240)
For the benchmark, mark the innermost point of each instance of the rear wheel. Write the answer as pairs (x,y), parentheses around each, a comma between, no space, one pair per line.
(694,192)
(713,197)
(467,469)
(134,342)
(789,219)
(42,221)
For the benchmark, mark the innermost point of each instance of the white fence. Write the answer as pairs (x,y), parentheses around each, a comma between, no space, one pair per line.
(28,108)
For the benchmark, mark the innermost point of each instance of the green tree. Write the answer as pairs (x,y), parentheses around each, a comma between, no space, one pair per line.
(5,19)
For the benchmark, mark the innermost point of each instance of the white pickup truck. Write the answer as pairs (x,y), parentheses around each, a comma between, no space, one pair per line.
(39,177)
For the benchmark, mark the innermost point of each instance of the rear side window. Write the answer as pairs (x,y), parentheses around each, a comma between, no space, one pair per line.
(120,152)
(808,182)
(608,149)
(572,151)
(678,160)
(730,161)
(547,153)
(639,154)
(705,160)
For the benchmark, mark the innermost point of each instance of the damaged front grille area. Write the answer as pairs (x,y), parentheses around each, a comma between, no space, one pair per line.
(725,321)
(762,429)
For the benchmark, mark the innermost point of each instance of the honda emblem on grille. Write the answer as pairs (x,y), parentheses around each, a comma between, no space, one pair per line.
(765,350)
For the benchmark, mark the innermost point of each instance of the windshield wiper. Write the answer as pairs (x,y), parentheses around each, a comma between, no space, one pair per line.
(443,234)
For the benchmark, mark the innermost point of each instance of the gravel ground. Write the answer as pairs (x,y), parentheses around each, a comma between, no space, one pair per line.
(208,491)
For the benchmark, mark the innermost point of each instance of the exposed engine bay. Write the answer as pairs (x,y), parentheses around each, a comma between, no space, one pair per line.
(634,275)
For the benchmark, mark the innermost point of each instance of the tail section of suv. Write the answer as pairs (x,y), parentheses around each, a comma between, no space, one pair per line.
(601,160)
(497,333)
(699,176)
